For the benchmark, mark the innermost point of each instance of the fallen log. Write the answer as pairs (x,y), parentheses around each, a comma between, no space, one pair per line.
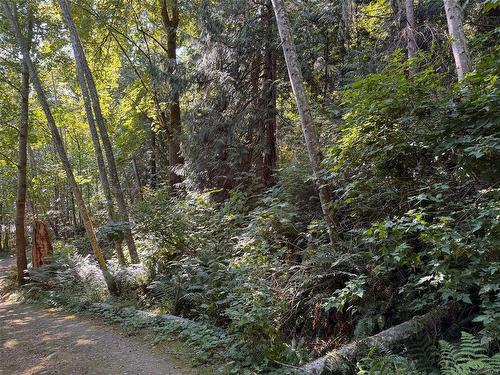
(336,360)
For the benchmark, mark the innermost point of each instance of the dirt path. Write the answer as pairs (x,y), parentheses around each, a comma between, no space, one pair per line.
(37,341)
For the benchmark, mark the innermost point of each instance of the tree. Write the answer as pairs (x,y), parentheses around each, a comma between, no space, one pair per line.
(103,175)
(170,18)
(87,81)
(58,143)
(269,154)
(410,29)
(309,129)
(455,19)
(21,259)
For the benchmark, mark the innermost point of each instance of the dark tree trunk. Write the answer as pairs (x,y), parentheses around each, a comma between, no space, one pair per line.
(6,240)
(42,246)
(269,154)
(152,156)
(170,24)
(21,259)
(119,253)
(73,214)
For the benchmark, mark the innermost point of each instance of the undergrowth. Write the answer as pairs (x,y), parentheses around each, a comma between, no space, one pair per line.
(413,163)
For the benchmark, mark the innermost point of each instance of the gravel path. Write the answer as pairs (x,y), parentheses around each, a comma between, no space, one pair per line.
(38,341)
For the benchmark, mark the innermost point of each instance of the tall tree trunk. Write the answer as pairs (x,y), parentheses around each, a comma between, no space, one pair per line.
(21,259)
(269,154)
(97,144)
(454,17)
(103,176)
(58,144)
(83,66)
(308,127)
(410,29)
(170,24)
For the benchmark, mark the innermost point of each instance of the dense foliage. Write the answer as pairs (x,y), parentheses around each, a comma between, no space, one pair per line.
(231,234)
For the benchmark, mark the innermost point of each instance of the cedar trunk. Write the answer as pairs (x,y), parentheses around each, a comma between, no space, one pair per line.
(21,259)
(42,246)
(269,154)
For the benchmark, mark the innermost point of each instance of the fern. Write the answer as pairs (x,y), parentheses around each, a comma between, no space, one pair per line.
(468,357)
(369,325)
(424,353)
(388,364)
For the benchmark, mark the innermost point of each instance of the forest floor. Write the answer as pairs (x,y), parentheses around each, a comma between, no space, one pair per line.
(34,340)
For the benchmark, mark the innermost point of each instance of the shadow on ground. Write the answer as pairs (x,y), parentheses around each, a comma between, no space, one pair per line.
(37,341)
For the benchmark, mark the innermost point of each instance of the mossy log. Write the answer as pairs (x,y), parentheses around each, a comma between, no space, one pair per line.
(336,360)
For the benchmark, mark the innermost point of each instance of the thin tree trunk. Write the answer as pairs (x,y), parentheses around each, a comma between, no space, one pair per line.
(21,259)
(454,17)
(1,227)
(95,140)
(410,29)
(308,127)
(58,144)
(73,213)
(119,253)
(152,157)
(170,24)
(82,65)
(103,176)
(137,176)
(95,137)
(6,240)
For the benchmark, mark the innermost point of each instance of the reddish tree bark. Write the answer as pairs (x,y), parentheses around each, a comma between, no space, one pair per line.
(21,259)
(269,154)
(42,246)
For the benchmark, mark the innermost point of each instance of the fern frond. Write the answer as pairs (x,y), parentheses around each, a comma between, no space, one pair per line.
(467,358)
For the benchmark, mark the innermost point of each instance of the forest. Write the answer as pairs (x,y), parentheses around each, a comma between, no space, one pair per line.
(249,187)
